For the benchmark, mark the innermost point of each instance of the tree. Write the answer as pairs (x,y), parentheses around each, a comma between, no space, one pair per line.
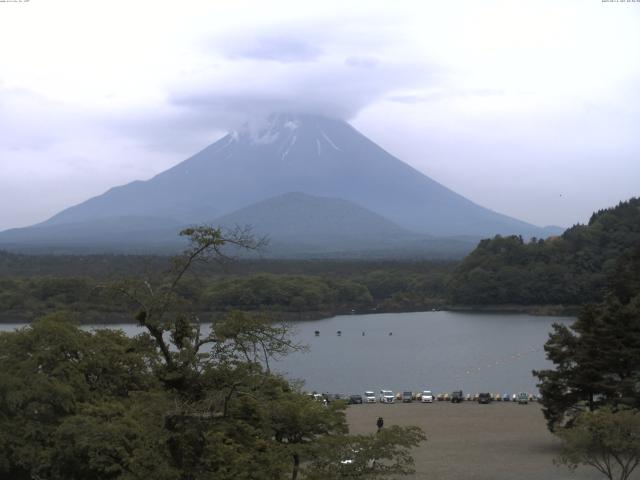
(298,422)
(174,403)
(161,310)
(597,359)
(377,455)
(606,440)
(571,269)
(77,405)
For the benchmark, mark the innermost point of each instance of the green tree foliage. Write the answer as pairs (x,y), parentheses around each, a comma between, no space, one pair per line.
(361,287)
(572,269)
(31,297)
(174,403)
(597,359)
(285,292)
(606,440)
(385,453)
(298,425)
(62,389)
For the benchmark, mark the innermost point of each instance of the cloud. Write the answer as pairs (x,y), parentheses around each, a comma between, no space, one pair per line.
(435,95)
(236,76)
(306,66)
(361,62)
(333,88)
(229,77)
(79,117)
(273,47)
(28,120)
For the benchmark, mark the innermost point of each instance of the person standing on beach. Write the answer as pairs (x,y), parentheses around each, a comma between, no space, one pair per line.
(380,423)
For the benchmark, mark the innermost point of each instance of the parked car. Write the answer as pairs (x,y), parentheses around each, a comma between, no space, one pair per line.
(505,397)
(332,397)
(407,397)
(484,398)
(387,396)
(523,398)
(355,399)
(457,396)
(369,397)
(427,396)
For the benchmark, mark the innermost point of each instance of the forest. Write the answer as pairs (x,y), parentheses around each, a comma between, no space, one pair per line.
(174,403)
(360,288)
(568,270)
(571,269)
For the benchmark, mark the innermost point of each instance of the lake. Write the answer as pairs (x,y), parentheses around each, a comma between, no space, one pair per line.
(439,351)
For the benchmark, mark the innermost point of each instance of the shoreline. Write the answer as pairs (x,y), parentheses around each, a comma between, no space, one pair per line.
(117,318)
(536,310)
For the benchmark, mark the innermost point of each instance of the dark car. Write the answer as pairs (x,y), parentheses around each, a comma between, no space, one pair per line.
(484,398)
(355,399)
(457,396)
(407,397)
(332,397)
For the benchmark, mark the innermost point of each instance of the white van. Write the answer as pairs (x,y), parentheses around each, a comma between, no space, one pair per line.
(387,396)
(427,396)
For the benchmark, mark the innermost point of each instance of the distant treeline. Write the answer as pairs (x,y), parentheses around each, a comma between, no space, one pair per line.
(113,266)
(327,289)
(572,269)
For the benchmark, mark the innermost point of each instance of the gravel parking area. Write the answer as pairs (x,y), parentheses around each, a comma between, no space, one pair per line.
(468,441)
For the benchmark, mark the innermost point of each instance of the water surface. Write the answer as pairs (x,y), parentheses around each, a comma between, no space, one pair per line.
(439,351)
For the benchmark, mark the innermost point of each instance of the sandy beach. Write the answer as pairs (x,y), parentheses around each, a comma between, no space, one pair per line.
(468,441)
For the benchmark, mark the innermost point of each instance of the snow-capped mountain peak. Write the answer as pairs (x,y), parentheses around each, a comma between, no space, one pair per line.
(305,153)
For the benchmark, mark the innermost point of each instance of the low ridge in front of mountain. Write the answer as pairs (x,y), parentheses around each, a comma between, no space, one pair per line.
(300,217)
(302,225)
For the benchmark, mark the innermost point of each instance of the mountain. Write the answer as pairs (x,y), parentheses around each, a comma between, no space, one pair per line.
(131,234)
(315,155)
(296,224)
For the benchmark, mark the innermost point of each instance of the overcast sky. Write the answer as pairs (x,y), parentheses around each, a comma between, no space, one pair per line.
(530,108)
